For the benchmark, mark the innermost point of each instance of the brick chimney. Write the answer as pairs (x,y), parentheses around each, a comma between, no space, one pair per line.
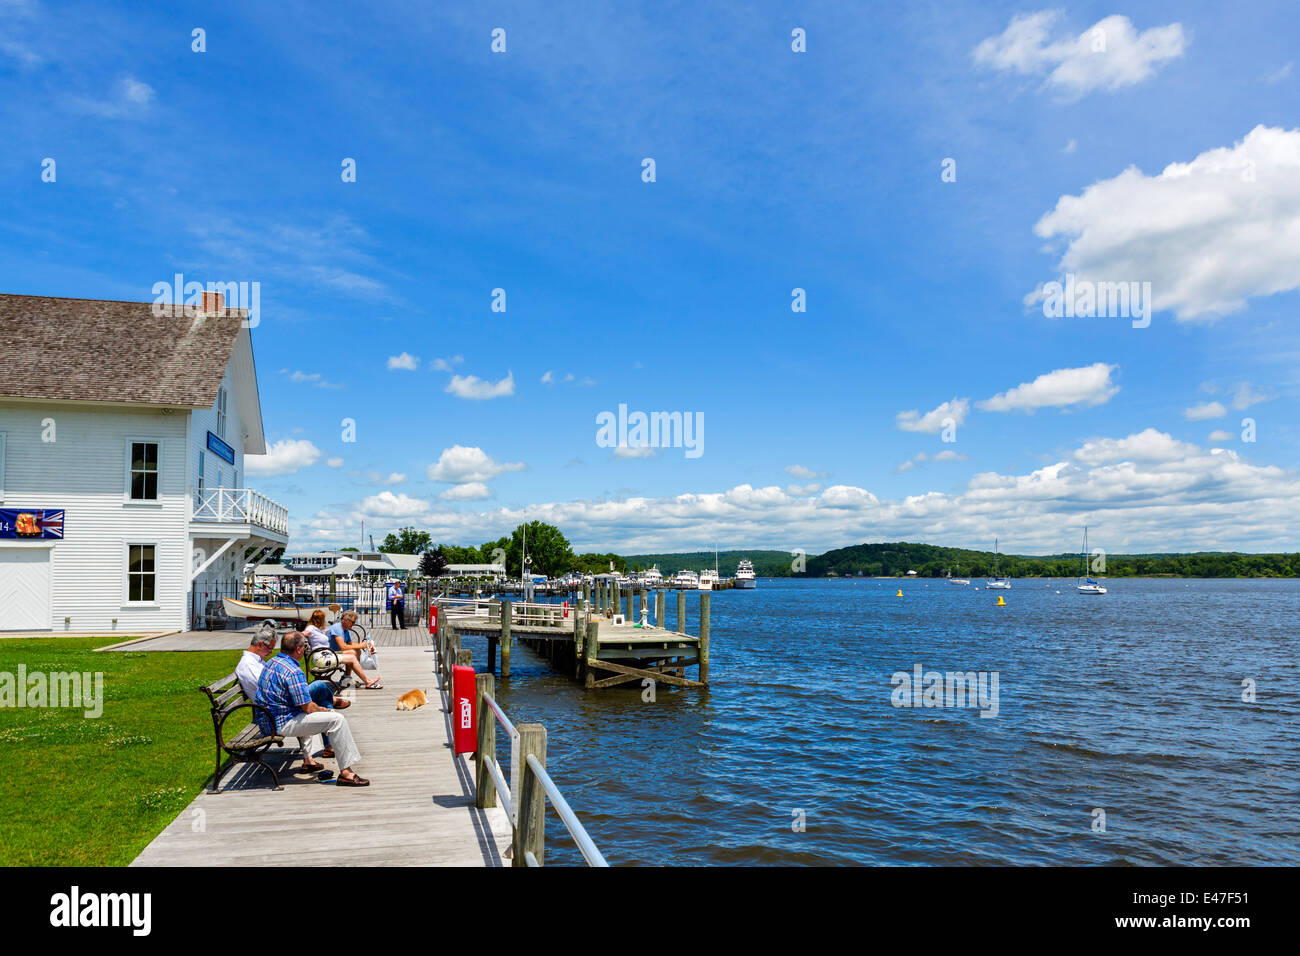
(213,302)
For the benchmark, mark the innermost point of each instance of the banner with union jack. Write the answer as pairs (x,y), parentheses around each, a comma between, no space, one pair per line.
(31,523)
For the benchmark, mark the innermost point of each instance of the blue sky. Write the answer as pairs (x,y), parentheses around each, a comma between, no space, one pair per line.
(775,170)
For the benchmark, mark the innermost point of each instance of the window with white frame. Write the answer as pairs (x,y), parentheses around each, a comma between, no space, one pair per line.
(141,573)
(2,466)
(221,412)
(142,470)
(201,475)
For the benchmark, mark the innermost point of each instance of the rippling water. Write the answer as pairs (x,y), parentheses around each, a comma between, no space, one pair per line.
(1130,703)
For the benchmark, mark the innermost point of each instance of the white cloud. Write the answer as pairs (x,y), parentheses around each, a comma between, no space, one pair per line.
(1219,435)
(283,458)
(334,462)
(932,422)
(1085,387)
(445,364)
(313,378)
(1143,492)
(1199,413)
(470,491)
(548,378)
(1148,446)
(395,478)
(1070,147)
(800,471)
(1109,55)
(624,452)
(1207,235)
(405,361)
(1280,74)
(460,464)
(388,505)
(130,97)
(1246,396)
(471,386)
(803,491)
(945,455)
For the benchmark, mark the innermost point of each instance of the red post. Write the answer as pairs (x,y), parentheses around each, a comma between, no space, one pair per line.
(464,720)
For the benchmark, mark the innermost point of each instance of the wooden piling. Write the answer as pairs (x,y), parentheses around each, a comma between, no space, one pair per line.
(485,789)
(704,637)
(530,833)
(507,612)
(661,605)
(592,647)
(681,612)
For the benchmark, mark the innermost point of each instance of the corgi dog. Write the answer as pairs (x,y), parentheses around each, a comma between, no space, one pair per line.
(411,700)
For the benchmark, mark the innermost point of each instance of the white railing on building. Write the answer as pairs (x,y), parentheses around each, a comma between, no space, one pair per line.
(239,506)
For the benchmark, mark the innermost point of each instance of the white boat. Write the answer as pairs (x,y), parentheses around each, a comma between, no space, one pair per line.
(997,583)
(252,611)
(687,579)
(1087,585)
(708,578)
(952,580)
(745,575)
(652,578)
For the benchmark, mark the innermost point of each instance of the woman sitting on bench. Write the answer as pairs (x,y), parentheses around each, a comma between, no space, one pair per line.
(318,639)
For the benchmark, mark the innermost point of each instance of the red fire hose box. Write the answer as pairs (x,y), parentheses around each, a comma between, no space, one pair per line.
(464,720)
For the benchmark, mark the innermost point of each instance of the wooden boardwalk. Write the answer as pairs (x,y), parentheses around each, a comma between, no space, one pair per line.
(418,811)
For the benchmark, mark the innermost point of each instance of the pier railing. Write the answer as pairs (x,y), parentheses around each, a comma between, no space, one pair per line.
(522,614)
(525,795)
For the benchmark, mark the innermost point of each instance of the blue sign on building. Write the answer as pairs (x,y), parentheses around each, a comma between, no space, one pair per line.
(220,448)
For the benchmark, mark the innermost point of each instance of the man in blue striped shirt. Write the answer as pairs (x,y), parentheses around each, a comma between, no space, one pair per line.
(282,690)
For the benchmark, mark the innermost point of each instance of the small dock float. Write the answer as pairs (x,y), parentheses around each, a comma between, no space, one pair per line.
(601,640)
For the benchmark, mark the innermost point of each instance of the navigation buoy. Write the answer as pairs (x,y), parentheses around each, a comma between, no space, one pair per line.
(1001,603)
(900,593)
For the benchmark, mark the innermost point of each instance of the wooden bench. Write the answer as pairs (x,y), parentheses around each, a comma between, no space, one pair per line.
(227,697)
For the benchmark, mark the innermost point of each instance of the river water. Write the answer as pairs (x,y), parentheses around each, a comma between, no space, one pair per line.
(1121,735)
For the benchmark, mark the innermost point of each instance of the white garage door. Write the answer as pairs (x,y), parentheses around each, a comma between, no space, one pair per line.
(24,589)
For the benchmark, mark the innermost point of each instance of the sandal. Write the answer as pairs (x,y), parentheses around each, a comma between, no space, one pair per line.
(327,752)
(354,781)
(310,768)
(341,703)
(377,685)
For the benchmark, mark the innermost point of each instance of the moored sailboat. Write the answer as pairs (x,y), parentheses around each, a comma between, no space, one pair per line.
(997,583)
(1087,585)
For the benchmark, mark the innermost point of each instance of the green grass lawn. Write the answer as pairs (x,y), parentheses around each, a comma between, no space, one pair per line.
(94,792)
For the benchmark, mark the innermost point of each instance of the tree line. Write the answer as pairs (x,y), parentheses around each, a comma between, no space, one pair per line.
(551,554)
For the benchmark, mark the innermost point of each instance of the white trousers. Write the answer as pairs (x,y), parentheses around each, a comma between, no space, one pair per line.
(308,728)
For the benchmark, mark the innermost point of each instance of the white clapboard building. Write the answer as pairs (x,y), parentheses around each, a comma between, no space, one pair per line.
(122,443)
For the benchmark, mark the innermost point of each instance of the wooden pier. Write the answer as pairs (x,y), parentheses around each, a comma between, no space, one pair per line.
(600,640)
(420,810)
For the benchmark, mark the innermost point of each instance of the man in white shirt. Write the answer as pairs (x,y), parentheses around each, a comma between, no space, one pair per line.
(249,671)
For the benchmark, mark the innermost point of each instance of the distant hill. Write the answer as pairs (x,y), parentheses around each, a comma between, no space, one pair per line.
(927,560)
(767,564)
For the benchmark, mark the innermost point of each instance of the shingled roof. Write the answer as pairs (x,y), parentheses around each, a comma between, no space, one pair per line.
(92,350)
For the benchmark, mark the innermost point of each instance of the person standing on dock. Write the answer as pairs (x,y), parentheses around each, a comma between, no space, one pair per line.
(397,605)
